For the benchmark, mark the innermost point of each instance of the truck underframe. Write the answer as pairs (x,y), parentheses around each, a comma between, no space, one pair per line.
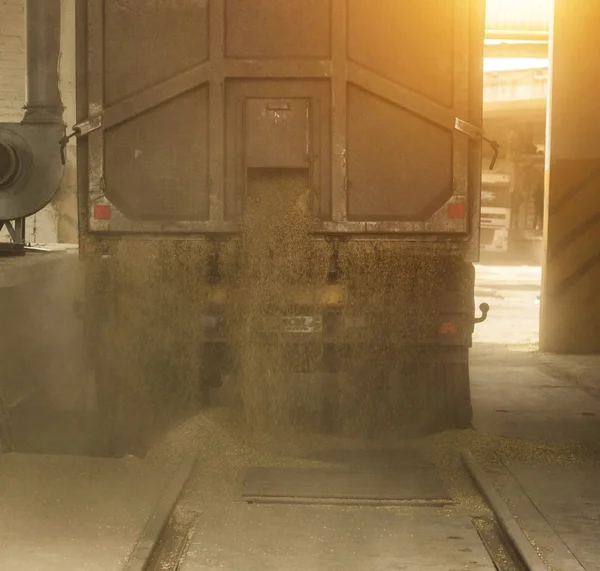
(381,340)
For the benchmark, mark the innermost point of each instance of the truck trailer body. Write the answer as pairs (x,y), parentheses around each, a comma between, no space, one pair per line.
(280,196)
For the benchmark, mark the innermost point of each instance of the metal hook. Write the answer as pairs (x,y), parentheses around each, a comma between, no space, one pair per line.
(64,142)
(485,308)
(496,148)
(476,133)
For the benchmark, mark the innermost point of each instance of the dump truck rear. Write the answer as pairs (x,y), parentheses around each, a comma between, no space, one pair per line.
(279,205)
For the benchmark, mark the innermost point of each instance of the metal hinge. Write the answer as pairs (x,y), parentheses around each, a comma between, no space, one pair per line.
(477,134)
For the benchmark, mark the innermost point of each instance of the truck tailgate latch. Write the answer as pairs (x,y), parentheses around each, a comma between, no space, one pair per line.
(476,133)
(63,145)
(80,130)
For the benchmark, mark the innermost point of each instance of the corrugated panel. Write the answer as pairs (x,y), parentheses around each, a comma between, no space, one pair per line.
(519,15)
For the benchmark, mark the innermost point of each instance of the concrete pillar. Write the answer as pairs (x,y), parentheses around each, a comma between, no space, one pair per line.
(570,311)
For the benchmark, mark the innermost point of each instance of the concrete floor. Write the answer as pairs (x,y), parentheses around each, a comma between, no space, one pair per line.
(539,414)
(512,294)
(543,427)
(550,399)
(523,402)
(568,498)
(288,538)
(535,414)
(84,514)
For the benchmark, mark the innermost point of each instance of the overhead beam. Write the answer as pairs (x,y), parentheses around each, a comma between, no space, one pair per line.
(531,111)
(518,35)
(517,50)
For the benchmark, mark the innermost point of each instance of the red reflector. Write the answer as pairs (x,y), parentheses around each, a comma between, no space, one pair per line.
(456,210)
(448,328)
(102,212)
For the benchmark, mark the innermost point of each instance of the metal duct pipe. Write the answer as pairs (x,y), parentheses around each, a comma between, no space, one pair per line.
(30,166)
(44,104)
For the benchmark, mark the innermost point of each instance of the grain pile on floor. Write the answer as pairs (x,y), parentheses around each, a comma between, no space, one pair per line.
(226,450)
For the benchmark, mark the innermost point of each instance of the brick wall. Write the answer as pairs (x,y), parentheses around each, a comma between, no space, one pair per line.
(12,59)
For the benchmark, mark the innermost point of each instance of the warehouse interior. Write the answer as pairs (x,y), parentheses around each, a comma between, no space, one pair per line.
(513,488)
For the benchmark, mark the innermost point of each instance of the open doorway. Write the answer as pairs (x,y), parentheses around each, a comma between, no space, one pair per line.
(516,89)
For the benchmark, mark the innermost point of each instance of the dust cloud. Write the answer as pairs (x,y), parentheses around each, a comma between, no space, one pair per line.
(279,262)
(372,366)
(145,313)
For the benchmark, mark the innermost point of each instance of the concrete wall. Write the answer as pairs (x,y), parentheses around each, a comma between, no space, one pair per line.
(570,319)
(58,221)
(12,59)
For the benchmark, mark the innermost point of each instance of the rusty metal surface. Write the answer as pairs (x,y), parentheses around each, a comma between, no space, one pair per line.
(314,135)
(278,29)
(157,169)
(477,25)
(270,122)
(339,164)
(150,42)
(389,185)
(410,43)
(177,111)
(216,190)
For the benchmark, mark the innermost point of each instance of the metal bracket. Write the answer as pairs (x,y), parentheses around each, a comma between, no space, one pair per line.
(477,134)
(88,126)
(16,231)
(80,130)
(15,228)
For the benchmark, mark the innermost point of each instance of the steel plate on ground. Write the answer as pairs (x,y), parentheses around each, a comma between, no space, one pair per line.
(379,484)
(369,459)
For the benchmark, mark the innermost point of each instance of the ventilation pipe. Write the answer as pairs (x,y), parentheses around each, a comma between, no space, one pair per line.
(30,162)
(43,55)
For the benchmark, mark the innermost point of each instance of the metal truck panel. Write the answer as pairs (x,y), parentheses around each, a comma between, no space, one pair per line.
(186,98)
